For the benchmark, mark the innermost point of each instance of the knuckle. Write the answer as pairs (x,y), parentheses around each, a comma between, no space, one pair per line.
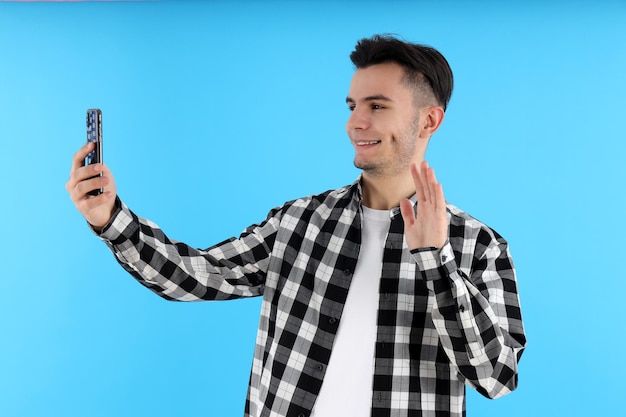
(82,188)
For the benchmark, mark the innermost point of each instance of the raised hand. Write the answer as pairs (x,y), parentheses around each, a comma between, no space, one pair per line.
(97,210)
(430,227)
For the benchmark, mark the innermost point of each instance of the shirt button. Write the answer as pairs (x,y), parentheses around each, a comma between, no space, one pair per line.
(444,258)
(319,367)
(462,308)
(332,320)
(347,272)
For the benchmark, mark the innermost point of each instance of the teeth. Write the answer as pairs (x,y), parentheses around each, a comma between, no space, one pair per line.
(373,142)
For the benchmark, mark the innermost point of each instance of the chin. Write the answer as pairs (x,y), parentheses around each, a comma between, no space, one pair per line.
(363,165)
(368,168)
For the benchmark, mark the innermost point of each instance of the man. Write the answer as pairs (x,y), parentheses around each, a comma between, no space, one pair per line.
(378,298)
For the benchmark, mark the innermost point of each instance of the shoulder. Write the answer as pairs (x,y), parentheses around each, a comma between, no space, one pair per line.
(467,231)
(338,198)
(330,207)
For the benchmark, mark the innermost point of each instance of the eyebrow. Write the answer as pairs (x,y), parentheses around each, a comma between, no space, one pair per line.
(377,97)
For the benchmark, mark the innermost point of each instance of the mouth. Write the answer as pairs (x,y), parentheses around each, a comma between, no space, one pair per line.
(366,142)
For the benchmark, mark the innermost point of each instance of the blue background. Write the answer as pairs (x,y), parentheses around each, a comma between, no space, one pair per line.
(216,112)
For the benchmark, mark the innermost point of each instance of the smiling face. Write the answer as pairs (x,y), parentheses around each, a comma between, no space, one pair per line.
(385,126)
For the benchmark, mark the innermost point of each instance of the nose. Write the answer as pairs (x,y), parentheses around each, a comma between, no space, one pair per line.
(358,119)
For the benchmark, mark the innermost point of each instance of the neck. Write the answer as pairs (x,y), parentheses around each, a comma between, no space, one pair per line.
(385,193)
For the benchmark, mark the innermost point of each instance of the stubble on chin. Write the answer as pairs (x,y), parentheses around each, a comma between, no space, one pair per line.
(369,168)
(401,162)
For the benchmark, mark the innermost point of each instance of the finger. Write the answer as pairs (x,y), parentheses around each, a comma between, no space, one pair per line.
(79,157)
(110,181)
(432,185)
(81,174)
(93,202)
(437,190)
(424,181)
(78,171)
(92,184)
(82,188)
(408,214)
(441,200)
(419,189)
(105,170)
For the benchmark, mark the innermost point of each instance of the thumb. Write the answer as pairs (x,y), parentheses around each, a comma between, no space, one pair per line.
(408,214)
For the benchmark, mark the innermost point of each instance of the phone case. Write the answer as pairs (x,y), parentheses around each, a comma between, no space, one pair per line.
(94,134)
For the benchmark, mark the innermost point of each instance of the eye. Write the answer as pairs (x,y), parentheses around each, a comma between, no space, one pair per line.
(351,108)
(377,107)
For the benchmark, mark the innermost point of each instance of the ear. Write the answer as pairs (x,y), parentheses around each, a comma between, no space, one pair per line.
(430,120)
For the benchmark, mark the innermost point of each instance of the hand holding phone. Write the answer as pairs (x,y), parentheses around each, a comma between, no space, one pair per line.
(88,172)
(94,135)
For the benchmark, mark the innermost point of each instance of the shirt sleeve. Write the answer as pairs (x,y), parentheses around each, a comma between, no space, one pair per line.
(477,315)
(175,271)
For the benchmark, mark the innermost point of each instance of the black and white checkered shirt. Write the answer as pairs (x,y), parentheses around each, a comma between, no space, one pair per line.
(446,317)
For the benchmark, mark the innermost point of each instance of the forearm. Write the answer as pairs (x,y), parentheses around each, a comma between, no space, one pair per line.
(176,271)
(478,319)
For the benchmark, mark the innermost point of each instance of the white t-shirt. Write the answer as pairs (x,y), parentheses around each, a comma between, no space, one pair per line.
(347,387)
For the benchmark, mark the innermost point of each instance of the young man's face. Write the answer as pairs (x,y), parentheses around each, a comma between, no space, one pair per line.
(384,124)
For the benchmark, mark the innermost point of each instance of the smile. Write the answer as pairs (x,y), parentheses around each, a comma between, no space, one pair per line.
(369,142)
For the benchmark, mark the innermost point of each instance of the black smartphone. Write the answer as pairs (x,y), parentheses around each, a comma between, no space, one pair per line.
(94,134)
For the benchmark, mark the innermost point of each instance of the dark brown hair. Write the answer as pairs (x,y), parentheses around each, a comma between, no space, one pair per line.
(425,68)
